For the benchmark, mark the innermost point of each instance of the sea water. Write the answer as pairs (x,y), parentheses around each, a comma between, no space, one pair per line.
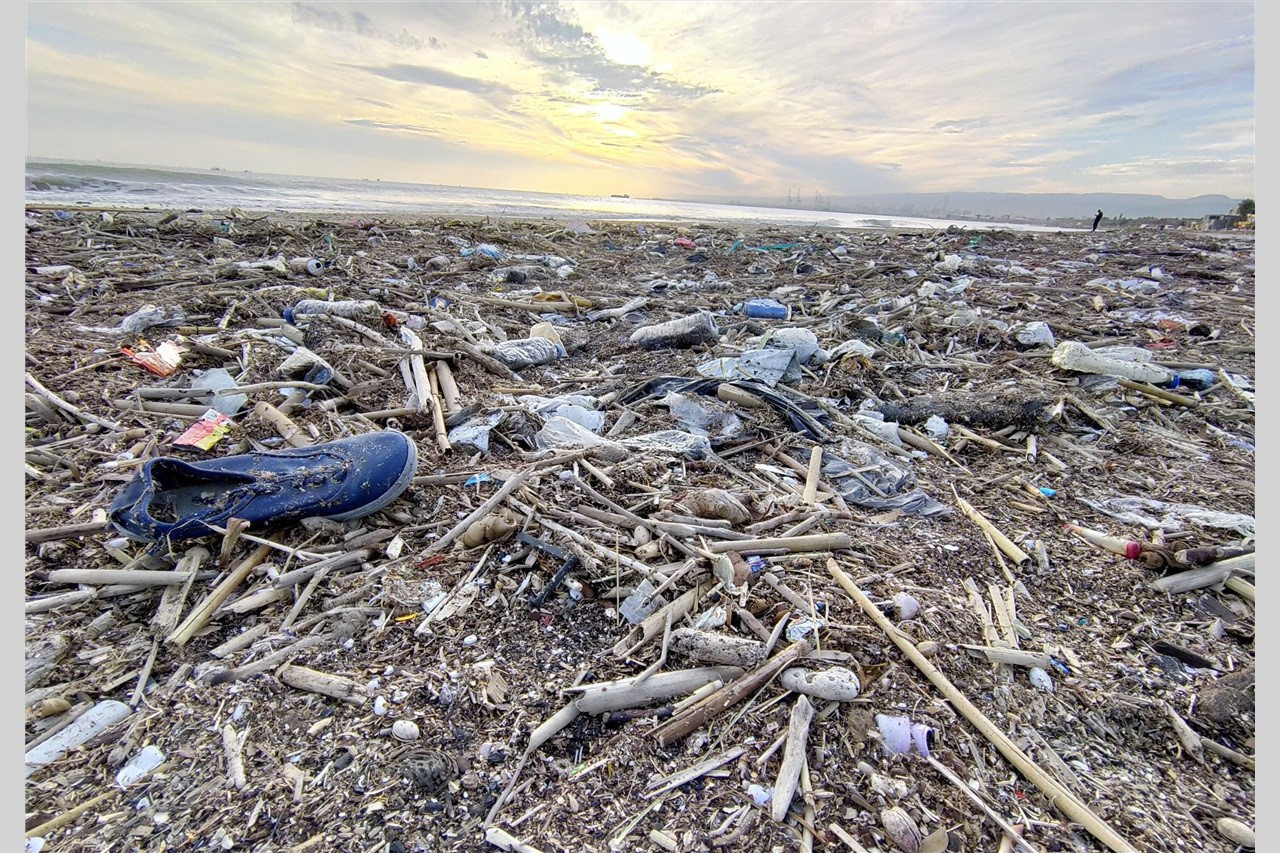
(71,184)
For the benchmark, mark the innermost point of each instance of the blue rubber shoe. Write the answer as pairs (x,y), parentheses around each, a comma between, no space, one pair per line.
(349,478)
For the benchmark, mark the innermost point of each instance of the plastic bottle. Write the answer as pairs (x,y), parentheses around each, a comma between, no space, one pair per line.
(766,309)
(680,333)
(523,353)
(1197,380)
(1073,355)
(349,308)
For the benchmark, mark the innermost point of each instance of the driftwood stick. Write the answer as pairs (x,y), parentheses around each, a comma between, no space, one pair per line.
(631,692)
(202,611)
(314,681)
(1210,575)
(270,661)
(328,565)
(792,758)
(55,400)
(811,480)
(240,641)
(1010,833)
(789,545)
(1057,793)
(231,745)
(69,531)
(283,424)
(716,648)
(729,695)
(100,577)
(660,786)
(172,601)
(480,512)
(448,387)
(504,840)
(437,413)
(65,599)
(1013,552)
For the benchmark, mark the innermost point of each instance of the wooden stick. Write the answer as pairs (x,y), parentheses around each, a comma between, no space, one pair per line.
(1158,393)
(202,611)
(852,843)
(437,414)
(630,692)
(1209,575)
(1059,795)
(172,601)
(675,780)
(231,745)
(729,695)
(504,840)
(270,661)
(479,512)
(811,480)
(1013,552)
(139,577)
(791,545)
(955,780)
(50,534)
(1242,588)
(314,681)
(448,387)
(54,399)
(1016,657)
(240,641)
(793,756)
(283,424)
(52,602)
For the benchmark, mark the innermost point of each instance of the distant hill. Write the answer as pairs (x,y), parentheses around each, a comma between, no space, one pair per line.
(999,205)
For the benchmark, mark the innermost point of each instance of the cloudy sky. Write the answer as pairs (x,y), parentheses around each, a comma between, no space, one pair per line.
(660,98)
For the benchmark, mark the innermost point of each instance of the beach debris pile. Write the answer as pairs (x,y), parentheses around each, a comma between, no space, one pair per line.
(720,537)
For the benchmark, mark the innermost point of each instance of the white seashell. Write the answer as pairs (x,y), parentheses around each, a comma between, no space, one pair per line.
(901,829)
(380,705)
(1236,832)
(404,730)
(1040,679)
(905,605)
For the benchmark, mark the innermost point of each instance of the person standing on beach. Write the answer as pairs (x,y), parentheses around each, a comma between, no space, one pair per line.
(1096,220)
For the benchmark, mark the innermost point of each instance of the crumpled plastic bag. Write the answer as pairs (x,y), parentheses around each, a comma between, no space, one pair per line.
(870,472)
(1136,510)
(703,415)
(578,408)
(769,366)
(473,436)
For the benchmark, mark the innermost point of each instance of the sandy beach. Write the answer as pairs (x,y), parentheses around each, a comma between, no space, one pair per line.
(919,489)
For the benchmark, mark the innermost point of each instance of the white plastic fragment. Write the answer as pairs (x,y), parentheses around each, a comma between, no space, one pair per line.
(146,760)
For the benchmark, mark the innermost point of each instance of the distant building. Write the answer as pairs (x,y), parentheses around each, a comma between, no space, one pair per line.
(1219,221)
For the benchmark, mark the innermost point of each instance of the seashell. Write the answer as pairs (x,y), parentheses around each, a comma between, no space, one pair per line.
(928,648)
(901,829)
(1236,832)
(1040,679)
(405,730)
(905,605)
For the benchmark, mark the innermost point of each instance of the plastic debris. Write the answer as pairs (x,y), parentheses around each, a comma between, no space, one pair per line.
(205,432)
(681,333)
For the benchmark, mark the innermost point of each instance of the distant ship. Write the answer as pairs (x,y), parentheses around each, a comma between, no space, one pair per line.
(619,195)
